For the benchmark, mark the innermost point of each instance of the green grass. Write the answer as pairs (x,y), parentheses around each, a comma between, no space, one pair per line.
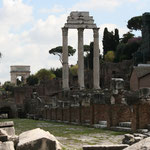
(71,133)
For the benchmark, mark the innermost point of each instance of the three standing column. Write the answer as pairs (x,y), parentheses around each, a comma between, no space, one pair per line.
(96,68)
(80,59)
(65,75)
(96,77)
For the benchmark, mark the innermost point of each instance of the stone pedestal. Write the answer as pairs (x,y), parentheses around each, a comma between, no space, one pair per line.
(80,59)
(96,68)
(65,75)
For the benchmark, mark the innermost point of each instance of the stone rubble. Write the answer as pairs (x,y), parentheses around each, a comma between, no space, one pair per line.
(36,139)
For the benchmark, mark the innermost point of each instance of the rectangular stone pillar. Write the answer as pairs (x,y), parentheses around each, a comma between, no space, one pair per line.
(65,71)
(80,59)
(96,78)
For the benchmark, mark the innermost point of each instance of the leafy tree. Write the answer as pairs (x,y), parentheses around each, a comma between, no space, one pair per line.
(127,50)
(110,40)
(135,23)
(116,38)
(110,56)
(88,60)
(74,70)
(8,86)
(32,80)
(126,37)
(58,72)
(44,75)
(58,51)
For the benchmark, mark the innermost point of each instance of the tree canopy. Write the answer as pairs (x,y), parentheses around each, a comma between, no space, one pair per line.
(135,23)
(126,37)
(32,80)
(58,51)
(44,75)
(110,40)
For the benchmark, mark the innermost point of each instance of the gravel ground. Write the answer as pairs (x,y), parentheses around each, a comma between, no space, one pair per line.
(77,142)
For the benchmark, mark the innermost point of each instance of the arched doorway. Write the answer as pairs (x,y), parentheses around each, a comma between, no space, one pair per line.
(6,111)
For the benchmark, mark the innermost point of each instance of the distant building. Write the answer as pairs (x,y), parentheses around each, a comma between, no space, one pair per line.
(140,77)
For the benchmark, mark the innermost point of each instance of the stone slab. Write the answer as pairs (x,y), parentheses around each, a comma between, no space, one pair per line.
(10,130)
(7,145)
(7,124)
(37,139)
(105,147)
(142,145)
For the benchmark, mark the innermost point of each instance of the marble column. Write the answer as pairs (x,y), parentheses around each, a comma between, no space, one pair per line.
(96,66)
(80,59)
(65,72)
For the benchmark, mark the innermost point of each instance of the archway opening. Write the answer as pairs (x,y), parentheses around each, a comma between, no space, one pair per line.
(6,112)
(19,80)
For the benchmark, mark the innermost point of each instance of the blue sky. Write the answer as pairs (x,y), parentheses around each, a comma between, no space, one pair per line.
(29,28)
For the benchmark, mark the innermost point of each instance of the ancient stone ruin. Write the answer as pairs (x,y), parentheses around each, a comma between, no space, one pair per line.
(23,71)
(36,139)
(80,21)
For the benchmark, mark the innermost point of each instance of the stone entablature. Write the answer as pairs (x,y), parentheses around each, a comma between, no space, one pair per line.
(23,71)
(20,68)
(80,20)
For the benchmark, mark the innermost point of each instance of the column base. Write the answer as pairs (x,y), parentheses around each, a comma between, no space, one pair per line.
(66,89)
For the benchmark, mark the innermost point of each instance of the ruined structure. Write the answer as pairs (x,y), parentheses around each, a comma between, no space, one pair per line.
(80,21)
(23,71)
(145,48)
(140,77)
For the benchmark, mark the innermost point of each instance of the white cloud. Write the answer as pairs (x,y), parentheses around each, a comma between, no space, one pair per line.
(14,13)
(54,9)
(97,5)
(100,5)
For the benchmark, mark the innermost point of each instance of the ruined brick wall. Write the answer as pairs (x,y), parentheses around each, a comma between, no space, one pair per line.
(145,81)
(21,93)
(144,115)
(115,70)
(134,85)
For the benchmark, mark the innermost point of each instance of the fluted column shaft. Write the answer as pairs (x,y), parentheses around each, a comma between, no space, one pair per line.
(65,74)
(80,59)
(96,66)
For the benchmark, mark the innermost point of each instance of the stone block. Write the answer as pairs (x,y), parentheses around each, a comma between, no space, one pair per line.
(7,124)
(105,147)
(7,145)
(144,92)
(10,130)
(37,139)
(142,145)
(117,83)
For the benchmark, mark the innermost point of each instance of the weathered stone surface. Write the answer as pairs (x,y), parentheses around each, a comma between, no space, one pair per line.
(80,19)
(105,147)
(7,128)
(128,139)
(144,92)
(7,145)
(7,124)
(10,130)
(37,139)
(142,145)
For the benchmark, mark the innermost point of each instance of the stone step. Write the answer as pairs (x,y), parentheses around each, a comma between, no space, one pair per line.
(100,126)
(121,129)
(125,124)
(103,122)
